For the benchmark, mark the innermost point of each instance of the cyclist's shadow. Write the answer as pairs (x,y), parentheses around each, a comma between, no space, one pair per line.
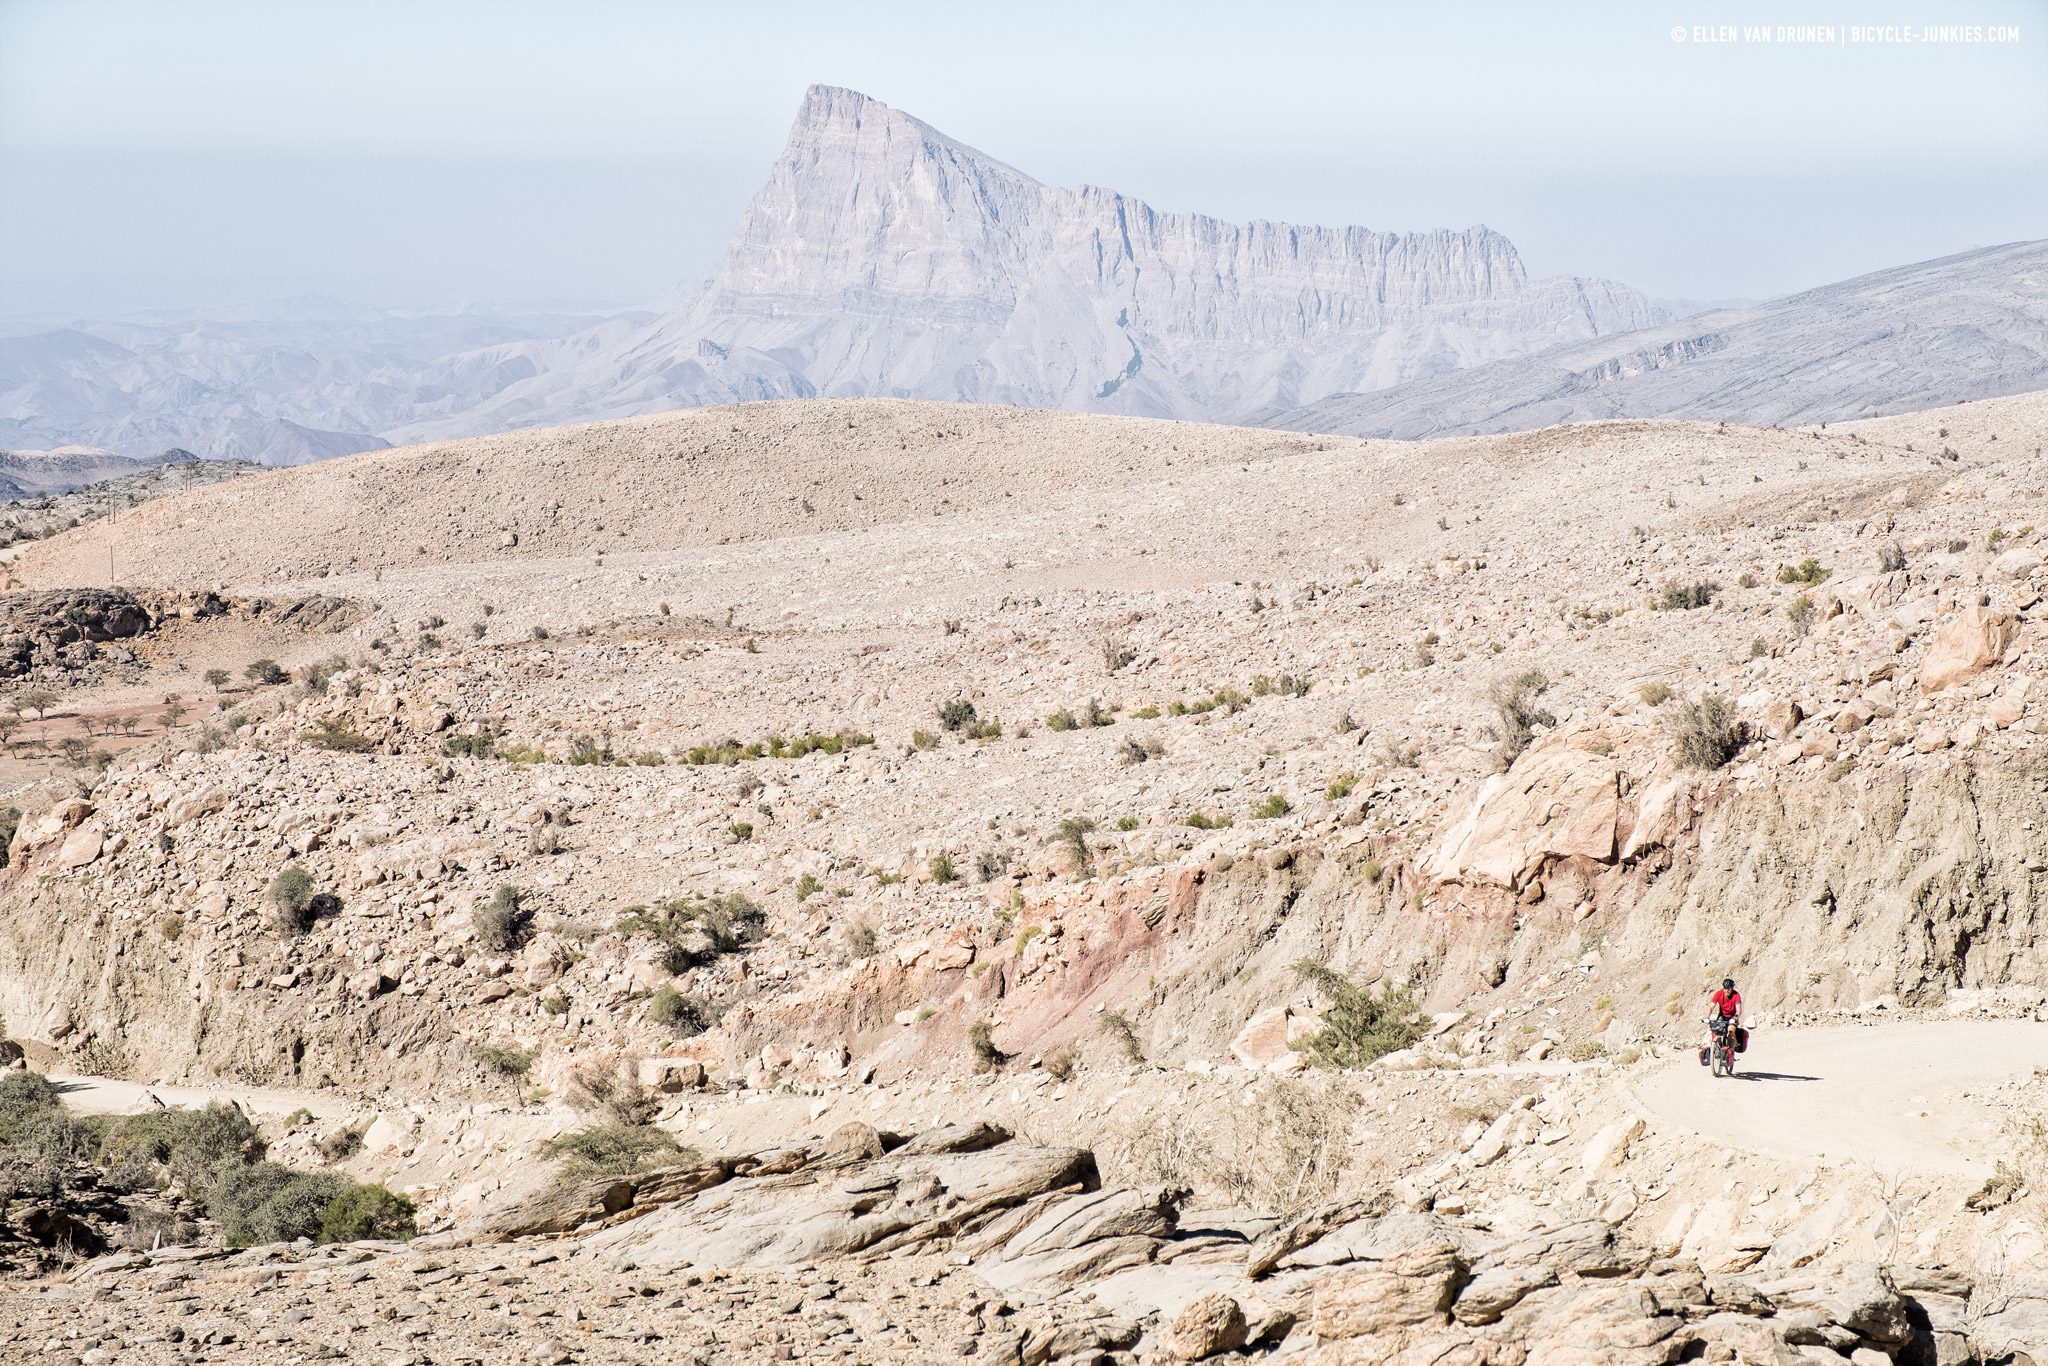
(1771,1076)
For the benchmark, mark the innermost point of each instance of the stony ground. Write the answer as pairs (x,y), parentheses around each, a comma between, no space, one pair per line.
(1255,692)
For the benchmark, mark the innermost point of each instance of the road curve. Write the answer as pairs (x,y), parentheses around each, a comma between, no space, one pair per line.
(1900,1096)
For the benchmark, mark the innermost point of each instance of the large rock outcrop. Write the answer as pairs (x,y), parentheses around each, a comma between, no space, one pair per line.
(886,258)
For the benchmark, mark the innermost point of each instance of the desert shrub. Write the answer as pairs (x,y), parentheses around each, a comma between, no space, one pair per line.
(1891,557)
(694,930)
(860,939)
(1808,571)
(265,671)
(503,1060)
(555,1004)
(216,678)
(189,1147)
(31,1113)
(614,1150)
(1359,1025)
(941,868)
(1073,832)
(1116,1027)
(924,739)
(332,733)
(1746,579)
(479,746)
(981,1043)
(1272,808)
(365,1210)
(1340,787)
(583,751)
(291,892)
(263,1202)
(1801,612)
(1062,720)
(1063,1064)
(1398,754)
(1686,597)
(814,742)
(1654,694)
(1126,823)
(505,923)
(340,1145)
(957,714)
(1117,652)
(1201,820)
(741,831)
(1706,731)
(321,673)
(1515,701)
(992,729)
(686,1015)
(807,886)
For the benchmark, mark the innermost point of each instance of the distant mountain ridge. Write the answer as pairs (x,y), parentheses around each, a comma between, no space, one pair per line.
(1973,325)
(884,258)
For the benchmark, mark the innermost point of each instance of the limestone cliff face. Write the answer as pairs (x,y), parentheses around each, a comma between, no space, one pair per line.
(884,258)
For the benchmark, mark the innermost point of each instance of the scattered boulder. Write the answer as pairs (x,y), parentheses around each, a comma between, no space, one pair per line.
(1206,1327)
(1968,643)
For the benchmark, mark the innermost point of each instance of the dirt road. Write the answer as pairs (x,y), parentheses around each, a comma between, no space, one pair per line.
(106,1096)
(1900,1096)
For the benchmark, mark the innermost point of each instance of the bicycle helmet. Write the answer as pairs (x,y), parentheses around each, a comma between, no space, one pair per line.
(1727,984)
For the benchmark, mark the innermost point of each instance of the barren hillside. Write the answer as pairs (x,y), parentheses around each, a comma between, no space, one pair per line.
(792,779)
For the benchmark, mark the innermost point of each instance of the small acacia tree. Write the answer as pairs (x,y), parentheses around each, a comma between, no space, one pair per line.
(1359,1025)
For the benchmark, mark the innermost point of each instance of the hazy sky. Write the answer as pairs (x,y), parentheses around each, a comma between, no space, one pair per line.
(437,151)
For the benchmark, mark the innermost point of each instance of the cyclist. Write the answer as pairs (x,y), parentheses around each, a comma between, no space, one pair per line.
(1724,1012)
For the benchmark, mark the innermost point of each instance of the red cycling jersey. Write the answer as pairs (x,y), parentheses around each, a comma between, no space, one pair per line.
(1728,1003)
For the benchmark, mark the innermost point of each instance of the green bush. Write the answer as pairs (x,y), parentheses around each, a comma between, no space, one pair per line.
(941,868)
(364,1210)
(1073,832)
(479,746)
(615,1150)
(957,714)
(263,1202)
(1201,820)
(291,891)
(502,1060)
(686,1015)
(1686,597)
(981,1042)
(332,733)
(1807,571)
(1358,1025)
(188,1148)
(1272,808)
(265,671)
(504,925)
(1515,700)
(697,929)
(1707,732)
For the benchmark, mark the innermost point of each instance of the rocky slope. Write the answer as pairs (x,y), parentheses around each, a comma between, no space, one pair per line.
(1262,699)
(1969,326)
